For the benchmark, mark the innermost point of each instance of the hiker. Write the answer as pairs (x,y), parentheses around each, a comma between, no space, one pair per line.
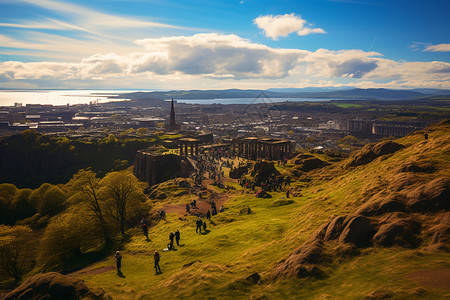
(208,215)
(426,135)
(177,237)
(145,230)
(194,203)
(187,207)
(143,222)
(162,214)
(199,225)
(171,237)
(157,267)
(249,211)
(221,209)
(204,226)
(287,194)
(118,259)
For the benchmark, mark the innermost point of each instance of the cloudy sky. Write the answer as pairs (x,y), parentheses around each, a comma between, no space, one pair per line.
(220,44)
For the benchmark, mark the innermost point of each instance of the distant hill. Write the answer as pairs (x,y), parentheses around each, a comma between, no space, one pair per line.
(353,94)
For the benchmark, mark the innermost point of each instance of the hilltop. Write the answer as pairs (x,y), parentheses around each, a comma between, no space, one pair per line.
(372,225)
(376,223)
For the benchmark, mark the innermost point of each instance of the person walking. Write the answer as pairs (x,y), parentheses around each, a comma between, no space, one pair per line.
(199,224)
(145,230)
(118,258)
(208,215)
(156,257)
(177,237)
(171,237)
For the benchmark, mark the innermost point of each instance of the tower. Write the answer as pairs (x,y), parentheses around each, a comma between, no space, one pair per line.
(172,124)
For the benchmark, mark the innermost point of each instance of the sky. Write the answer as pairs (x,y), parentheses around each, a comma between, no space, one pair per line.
(223,44)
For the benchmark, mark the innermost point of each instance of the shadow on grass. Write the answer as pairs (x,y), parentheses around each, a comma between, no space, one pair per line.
(205,232)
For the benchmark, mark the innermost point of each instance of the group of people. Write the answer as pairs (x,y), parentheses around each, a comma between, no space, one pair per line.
(173,235)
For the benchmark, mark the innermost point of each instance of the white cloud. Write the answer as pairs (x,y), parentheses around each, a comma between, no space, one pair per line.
(438,48)
(222,58)
(283,25)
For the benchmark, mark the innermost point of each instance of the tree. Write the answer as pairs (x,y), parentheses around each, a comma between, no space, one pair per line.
(21,205)
(87,185)
(7,194)
(123,195)
(52,201)
(142,131)
(17,250)
(66,237)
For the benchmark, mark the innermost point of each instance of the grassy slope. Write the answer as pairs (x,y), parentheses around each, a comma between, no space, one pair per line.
(238,245)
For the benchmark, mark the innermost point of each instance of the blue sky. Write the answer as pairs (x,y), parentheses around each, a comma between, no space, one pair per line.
(201,44)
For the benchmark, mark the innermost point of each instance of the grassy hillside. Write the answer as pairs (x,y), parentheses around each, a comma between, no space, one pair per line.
(216,264)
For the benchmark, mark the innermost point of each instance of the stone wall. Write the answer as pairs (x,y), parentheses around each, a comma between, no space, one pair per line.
(155,169)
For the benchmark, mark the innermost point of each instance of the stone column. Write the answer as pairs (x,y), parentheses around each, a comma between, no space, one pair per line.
(181,148)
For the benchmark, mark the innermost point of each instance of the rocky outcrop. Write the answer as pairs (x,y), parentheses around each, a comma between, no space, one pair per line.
(371,151)
(432,196)
(302,262)
(53,286)
(378,205)
(238,172)
(262,170)
(397,229)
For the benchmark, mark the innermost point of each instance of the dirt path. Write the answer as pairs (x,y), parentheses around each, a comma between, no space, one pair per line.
(92,271)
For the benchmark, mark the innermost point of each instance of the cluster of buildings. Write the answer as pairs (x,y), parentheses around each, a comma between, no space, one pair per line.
(310,127)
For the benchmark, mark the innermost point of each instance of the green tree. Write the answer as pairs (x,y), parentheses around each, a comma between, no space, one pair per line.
(21,206)
(66,237)
(7,194)
(142,131)
(123,196)
(87,185)
(52,201)
(17,250)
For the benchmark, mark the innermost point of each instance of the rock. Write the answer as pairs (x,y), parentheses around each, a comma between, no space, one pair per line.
(310,163)
(53,286)
(358,231)
(300,262)
(378,205)
(238,172)
(432,196)
(309,271)
(254,278)
(371,151)
(334,229)
(262,170)
(263,194)
(397,230)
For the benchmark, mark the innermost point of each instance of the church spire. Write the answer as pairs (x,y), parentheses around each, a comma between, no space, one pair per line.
(172,123)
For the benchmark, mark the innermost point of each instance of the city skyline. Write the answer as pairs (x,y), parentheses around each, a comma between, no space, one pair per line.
(224,44)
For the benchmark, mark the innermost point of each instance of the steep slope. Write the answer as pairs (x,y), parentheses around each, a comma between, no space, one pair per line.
(374,229)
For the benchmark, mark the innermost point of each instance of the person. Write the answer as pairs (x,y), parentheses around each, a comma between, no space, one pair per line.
(426,135)
(208,215)
(145,230)
(187,207)
(204,226)
(171,237)
(194,203)
(157,267)
(118,258)
(143,222)
(221,209)
(177,237)
(199,225)
(287,194)
(249,211)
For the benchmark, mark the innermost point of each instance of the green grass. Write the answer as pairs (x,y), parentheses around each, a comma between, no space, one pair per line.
(239,245)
